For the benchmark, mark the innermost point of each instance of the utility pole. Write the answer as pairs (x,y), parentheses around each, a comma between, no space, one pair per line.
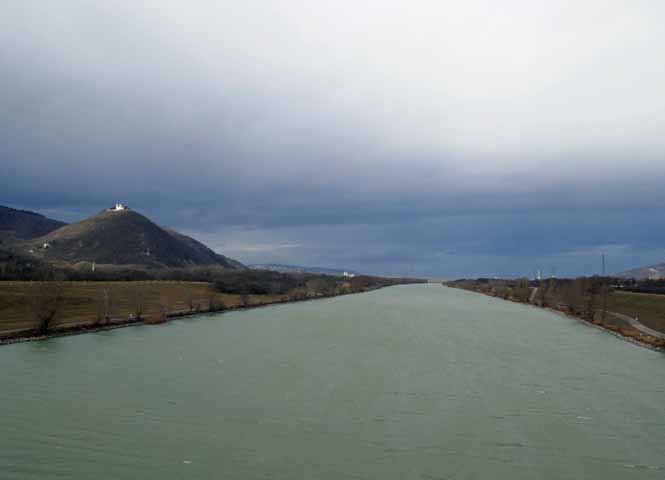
(604,287)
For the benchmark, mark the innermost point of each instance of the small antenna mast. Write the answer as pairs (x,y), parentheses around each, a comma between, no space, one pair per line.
(604,287)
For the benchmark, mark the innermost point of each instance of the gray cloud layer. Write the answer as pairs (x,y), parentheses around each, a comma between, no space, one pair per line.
(481,133)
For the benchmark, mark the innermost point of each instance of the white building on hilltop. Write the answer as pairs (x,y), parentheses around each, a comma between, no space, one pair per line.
(119,207)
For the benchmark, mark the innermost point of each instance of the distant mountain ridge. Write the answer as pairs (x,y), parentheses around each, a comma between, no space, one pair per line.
(121,237)
(277,267)
(24,224)
(655,272)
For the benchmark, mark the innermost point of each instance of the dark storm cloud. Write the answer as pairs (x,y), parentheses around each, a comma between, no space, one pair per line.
(427,137)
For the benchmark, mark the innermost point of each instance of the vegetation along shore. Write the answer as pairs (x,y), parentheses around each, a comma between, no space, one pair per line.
(613,304)
(40,309)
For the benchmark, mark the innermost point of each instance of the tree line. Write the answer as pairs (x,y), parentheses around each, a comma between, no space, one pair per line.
(584,297)
(46,292)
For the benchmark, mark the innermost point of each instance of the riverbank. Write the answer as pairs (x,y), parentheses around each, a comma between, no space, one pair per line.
(115,324)
(86,307)
(610,323)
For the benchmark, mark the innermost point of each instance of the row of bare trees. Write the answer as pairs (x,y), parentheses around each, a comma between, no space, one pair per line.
(46,299)
(585,297)
(46,296)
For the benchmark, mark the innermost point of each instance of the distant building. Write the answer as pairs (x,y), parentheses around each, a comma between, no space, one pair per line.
(347,274)
(119,207)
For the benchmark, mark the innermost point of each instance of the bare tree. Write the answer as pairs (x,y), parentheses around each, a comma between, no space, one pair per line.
(190,300)
(139,304)
(45,299)
(574,295)
(301,295)
(591,299)
(523,290)
(108,305)
(163,307)
(244,300)
(212,303)
(604,299)
(215,305)
(542,294)
(104,306)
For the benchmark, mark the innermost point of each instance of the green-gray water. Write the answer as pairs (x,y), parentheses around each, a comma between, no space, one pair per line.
(413,382)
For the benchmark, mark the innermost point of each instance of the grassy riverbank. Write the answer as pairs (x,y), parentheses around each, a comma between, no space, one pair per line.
(584,299)
(81,302)
(81,306)
(650,308)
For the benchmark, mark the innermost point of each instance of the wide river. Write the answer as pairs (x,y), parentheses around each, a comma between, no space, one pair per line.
(410,382)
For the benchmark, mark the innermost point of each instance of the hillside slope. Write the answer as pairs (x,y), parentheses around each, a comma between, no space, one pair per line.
(203,250)
(24,224)
(645,273)
(124,238)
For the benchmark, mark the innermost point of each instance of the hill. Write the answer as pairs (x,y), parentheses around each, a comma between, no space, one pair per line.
(655,272)
(123,237)
(24,224)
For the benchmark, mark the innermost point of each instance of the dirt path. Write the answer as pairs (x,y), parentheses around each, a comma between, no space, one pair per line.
(638,325)
(532,298)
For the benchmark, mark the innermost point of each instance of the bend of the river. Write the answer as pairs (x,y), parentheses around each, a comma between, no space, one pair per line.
(409,382)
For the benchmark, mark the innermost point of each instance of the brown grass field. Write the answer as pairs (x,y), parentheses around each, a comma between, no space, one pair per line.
(650,308)
(82,301)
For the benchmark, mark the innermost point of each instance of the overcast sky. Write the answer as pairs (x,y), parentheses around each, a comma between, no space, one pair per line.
(399,137)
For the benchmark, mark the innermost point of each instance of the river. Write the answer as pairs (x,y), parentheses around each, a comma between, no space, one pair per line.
(409,382)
